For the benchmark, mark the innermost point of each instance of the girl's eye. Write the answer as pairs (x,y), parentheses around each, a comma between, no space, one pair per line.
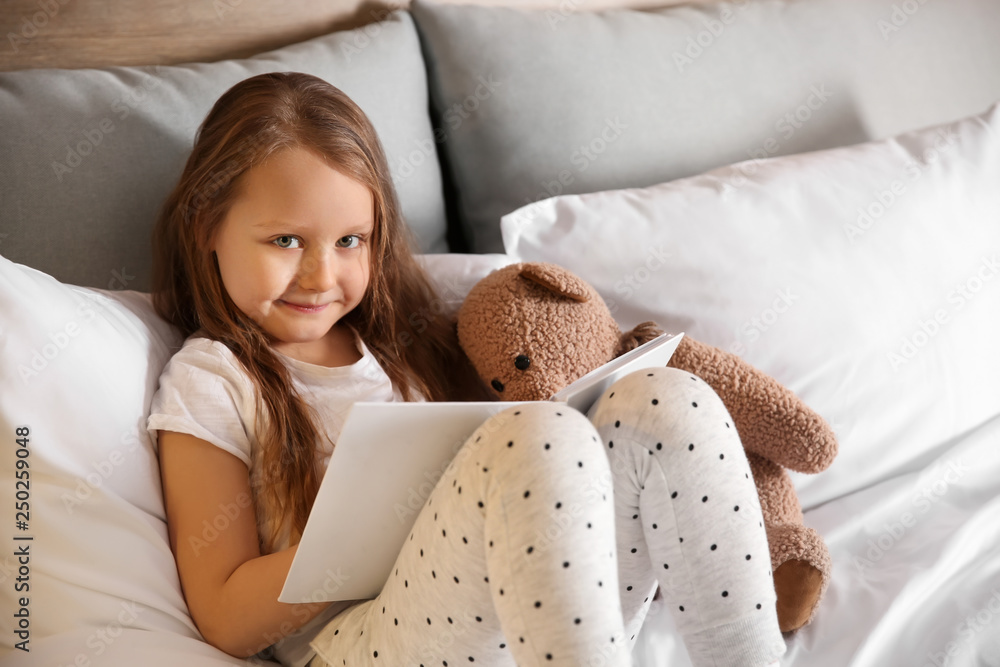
(286,242)
(350,241)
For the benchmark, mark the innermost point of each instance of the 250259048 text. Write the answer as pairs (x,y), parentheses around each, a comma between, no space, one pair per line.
(22,538)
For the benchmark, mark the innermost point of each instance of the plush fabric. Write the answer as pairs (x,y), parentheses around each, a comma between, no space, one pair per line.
(543,103)
(865,279)
(87,157)
(530,329)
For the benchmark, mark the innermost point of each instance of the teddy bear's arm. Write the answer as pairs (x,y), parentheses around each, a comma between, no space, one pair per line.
(771,420)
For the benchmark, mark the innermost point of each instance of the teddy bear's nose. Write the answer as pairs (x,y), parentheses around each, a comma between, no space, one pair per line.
(497,384)
(522,362)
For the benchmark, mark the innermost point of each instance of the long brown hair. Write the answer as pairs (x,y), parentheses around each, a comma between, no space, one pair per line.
(251,121)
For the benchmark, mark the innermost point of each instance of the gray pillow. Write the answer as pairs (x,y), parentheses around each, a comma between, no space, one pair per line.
(87,157)
(534,104)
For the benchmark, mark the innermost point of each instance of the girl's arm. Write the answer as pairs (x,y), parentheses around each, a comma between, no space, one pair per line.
(231,590)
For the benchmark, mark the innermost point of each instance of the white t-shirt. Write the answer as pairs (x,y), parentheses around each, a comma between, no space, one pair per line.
(205,392)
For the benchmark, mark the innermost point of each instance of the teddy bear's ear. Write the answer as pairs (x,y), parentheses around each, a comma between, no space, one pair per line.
(556,279)
(642,333)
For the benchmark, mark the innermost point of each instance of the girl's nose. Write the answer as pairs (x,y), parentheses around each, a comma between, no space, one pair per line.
(318,272)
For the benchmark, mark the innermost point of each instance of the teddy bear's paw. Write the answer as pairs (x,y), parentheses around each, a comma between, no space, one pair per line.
(801,564)
(799,586)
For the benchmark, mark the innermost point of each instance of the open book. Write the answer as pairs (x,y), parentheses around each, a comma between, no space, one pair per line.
(387,460)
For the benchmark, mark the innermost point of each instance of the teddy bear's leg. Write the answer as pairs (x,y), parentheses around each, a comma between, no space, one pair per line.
(799,556)
(687,516)
(778,500)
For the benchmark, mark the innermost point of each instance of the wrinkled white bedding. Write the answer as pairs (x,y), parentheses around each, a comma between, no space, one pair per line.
(916,570)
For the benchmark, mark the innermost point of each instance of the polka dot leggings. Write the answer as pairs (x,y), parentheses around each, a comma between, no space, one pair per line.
(544,540)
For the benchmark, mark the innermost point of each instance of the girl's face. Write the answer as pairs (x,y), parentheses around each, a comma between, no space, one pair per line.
(293,250)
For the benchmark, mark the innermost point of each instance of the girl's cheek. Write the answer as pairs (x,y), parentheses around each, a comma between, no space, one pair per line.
(278,272)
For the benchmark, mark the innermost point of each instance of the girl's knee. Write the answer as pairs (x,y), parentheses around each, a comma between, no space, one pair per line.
(661,399)
(663,388)
(535,417)
(522,431)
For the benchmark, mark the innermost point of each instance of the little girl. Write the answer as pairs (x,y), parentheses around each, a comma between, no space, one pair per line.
(282,255)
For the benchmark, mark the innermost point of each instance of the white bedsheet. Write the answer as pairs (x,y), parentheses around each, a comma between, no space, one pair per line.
(916,570)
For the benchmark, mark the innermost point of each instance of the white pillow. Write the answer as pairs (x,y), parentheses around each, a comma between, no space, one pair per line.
(78,368)
(453,275)
(865,278)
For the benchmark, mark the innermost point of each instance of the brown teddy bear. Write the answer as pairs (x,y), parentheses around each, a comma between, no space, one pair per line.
(530,329)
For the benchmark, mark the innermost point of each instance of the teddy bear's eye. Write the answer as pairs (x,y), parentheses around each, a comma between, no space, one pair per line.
(497,384)
(522,362)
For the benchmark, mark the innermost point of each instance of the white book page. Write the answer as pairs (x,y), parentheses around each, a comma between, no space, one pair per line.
(385,464)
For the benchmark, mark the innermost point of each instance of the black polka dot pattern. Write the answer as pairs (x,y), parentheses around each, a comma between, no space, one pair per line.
(559,530)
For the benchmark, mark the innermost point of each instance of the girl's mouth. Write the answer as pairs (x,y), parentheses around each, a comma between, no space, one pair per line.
(305,308)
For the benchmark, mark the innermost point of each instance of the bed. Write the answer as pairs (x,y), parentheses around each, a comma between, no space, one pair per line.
(810,184)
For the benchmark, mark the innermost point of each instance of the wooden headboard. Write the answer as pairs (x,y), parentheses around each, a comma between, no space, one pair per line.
(77,33)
